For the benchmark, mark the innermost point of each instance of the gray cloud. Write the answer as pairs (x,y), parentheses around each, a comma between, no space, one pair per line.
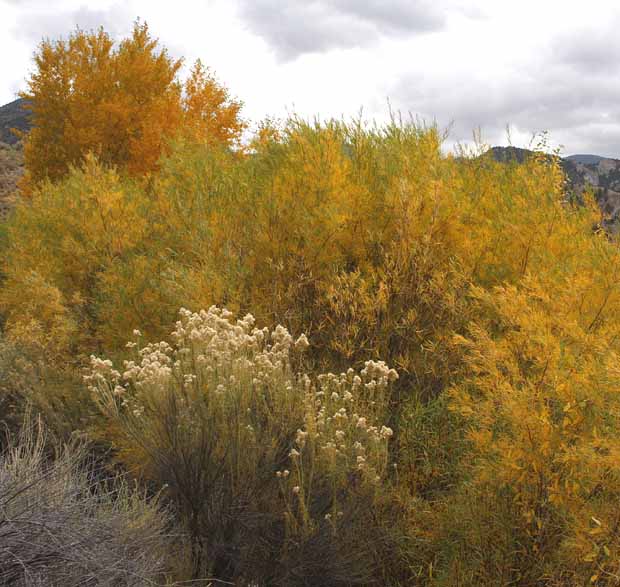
(34,25)
(579,108)
(588,50)
(295,27)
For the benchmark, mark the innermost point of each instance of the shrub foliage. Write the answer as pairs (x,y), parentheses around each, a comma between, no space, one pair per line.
(485,454)
(60,526)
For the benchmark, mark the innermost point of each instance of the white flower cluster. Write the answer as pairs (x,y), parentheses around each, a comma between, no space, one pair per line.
(211,354)
(242,376)
(102,373)
(343,436)
(378,371)
(155,366)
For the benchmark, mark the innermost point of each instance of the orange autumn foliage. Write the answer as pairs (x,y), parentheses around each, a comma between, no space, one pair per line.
(209,113)
(122,103)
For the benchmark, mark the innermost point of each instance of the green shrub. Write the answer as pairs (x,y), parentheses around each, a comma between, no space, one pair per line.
(33,382)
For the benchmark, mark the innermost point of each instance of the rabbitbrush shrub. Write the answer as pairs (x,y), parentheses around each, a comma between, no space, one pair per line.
(276,475)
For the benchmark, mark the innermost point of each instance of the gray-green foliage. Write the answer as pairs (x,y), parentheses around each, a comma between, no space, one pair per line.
(62,525)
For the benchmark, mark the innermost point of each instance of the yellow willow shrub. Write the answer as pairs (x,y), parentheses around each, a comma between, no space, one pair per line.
(350,219)
(92,257)
(315,216)
(202,206)
(60,243)
(89,259)
(272,472)
(36,313)
(407,303)
(266,229)
(306,202)
(517,219)
(542,406)
(330,199)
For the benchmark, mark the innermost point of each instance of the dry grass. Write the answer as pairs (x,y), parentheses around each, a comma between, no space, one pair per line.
(61,525)
(11,169)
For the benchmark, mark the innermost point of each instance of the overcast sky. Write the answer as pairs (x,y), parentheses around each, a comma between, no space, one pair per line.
(532,65)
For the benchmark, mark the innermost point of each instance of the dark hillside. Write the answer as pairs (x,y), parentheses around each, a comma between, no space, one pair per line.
(13,115)
(585,159)
(11,169)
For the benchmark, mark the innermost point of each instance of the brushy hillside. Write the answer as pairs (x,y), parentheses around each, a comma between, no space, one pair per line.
(13,115)
(11,170)
(336,355)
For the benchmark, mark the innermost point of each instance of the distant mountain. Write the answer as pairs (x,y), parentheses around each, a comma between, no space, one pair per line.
(13,115)
(585,159)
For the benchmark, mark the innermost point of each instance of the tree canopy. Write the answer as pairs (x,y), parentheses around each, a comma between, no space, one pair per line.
(121,102)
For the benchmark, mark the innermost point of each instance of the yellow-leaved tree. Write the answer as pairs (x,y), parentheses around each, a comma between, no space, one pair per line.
(122,103)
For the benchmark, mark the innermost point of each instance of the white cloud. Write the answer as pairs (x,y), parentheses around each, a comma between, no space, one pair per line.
(35,25)
(479,63)
(295,28)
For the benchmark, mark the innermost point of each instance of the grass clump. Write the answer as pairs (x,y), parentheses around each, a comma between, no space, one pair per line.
(61,524)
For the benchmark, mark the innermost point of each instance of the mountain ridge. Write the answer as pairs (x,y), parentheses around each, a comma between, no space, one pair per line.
(586,158)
